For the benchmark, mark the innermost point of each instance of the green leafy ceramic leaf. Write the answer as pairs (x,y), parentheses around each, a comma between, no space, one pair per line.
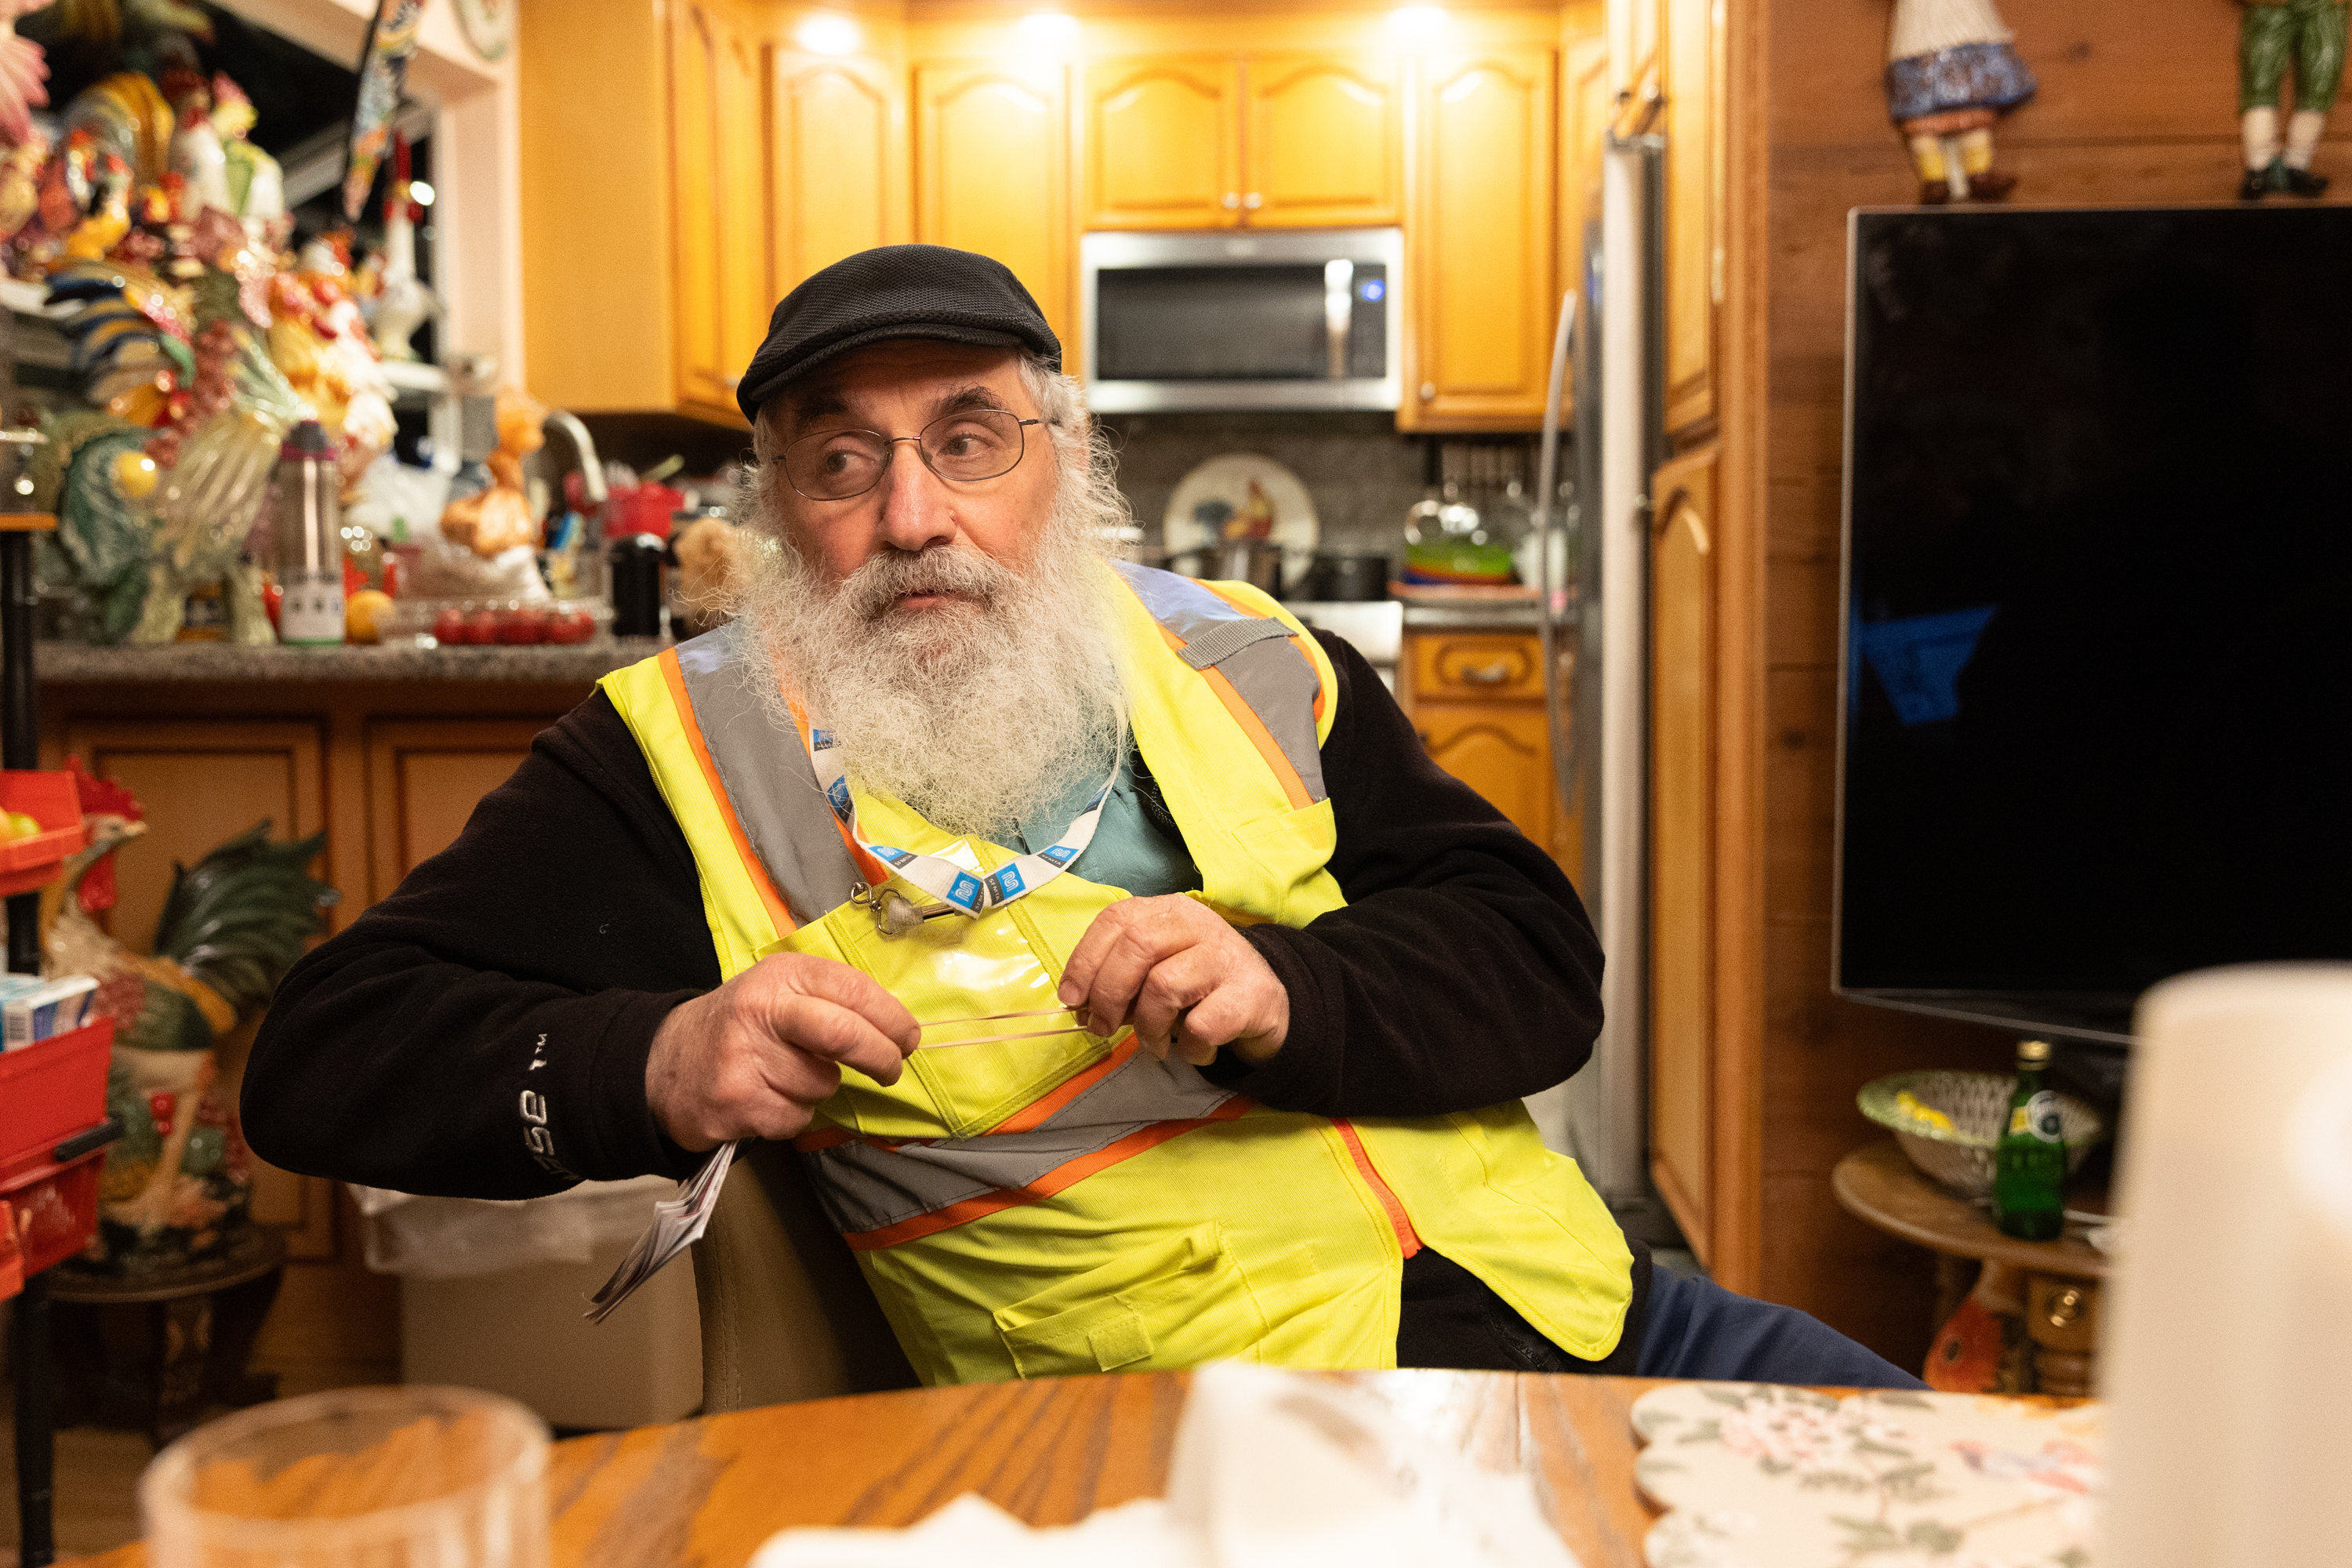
(1932,1535)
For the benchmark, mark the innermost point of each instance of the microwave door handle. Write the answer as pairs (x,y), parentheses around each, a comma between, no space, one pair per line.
(1339,313)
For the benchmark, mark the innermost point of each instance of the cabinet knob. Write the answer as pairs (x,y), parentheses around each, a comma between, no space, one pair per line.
(1254,201)
(1428,390)
(1233,200)
(1493,674)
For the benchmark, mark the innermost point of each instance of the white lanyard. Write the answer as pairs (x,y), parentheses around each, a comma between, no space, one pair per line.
(943,879)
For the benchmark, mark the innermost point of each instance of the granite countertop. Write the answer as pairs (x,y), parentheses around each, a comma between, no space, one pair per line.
(230,664)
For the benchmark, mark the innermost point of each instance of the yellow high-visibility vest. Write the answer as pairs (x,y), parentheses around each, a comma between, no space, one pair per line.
(1067,1204)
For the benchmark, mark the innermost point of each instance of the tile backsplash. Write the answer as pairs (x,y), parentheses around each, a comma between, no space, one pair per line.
(1361,474)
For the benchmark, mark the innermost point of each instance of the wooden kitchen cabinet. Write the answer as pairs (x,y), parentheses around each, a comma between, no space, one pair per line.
(1300,140)
(1684,1069)
(1162,143)
(993,174)
(682,168)
(1690,73)
(1480,300)
(1477,701)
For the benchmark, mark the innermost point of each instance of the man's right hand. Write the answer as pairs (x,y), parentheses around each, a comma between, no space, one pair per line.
(756,1057)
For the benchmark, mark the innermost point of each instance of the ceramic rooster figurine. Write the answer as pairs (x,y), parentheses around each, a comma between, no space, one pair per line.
(176,1187)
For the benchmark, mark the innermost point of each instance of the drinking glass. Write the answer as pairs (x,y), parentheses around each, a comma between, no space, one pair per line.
(354,1477)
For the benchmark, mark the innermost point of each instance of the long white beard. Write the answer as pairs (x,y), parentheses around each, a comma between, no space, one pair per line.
(979,716)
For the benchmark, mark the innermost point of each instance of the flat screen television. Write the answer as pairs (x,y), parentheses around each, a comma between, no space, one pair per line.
(2097,699)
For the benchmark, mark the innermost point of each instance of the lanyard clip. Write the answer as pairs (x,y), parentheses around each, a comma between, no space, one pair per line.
(893,914)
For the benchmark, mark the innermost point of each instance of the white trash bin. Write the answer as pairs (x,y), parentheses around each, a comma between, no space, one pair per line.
(491,1296)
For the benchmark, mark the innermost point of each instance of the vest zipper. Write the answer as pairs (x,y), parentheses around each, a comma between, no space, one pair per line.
(1408,1239)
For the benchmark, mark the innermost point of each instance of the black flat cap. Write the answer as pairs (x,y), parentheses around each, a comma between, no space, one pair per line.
(895,291)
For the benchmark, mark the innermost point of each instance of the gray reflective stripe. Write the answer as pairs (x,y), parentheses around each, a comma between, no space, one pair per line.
(1222,641)
(865,1187)
(1276,681)
(766,773)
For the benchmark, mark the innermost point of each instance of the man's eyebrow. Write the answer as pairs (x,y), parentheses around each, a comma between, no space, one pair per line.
(818,402)
(973,396)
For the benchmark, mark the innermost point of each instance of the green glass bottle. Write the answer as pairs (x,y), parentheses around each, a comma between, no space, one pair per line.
(2029,1163)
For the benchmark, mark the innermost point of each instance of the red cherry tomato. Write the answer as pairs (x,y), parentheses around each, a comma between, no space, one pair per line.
(571,626)
(449,626)
(482,626)
(523,627)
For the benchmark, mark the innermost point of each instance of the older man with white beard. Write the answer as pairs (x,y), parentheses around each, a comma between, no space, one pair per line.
(1135,990)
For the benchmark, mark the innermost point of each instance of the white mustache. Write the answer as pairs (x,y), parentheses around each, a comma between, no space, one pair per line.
(942,569)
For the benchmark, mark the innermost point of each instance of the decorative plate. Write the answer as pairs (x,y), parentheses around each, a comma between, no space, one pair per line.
(488,25)
(1267,498)
(1762,1476)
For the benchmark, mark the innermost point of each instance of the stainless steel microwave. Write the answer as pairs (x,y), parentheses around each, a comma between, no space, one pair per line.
(1292,319)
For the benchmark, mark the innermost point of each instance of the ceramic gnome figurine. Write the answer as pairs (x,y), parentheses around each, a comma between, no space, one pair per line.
(2306,36)
(1950,73)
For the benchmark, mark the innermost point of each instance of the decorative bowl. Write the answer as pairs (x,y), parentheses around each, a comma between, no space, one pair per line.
(1960,1156)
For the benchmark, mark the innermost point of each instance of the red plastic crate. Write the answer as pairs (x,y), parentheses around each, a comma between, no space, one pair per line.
(57,1211)
(49,799)
(49,1090)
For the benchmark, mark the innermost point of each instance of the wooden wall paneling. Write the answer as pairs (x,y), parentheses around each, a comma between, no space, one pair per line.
(424,776)
(1161,143)
(1480,300)
(993,174)
(1324,145)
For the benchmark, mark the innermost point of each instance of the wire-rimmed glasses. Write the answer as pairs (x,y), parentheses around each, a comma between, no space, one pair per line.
(965,446)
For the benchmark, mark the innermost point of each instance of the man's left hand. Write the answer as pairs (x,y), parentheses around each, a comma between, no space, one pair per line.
(1185,979)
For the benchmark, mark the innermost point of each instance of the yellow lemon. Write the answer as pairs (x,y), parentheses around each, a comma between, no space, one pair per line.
(21,825)
(135,474)
(363,614)
(1910,1105)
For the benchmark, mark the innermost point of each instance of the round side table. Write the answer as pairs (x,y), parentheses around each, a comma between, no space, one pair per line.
(200,1323)
(1878,1184)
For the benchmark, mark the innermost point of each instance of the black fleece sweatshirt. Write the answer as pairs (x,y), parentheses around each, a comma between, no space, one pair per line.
(523,971)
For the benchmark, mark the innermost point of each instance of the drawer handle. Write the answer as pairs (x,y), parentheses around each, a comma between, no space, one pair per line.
(1497,674)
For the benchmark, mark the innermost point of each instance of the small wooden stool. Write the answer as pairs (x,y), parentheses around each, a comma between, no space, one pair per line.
(200,1323)
(1879,1185)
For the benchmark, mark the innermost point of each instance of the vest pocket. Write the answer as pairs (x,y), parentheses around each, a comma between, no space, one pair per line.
(1175,1303)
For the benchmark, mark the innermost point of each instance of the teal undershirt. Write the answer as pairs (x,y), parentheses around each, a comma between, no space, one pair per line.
(1130,849)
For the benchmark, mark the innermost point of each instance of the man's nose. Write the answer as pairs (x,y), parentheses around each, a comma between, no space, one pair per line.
(917,507)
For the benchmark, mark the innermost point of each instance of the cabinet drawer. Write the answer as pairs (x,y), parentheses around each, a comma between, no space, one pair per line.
(1504,664)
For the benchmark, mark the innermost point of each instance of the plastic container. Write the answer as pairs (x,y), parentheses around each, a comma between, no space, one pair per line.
(354,1477)
(49,799)
(53,1091)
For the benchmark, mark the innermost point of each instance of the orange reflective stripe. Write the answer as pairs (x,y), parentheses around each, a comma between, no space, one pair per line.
(875,872)
(1053,1181)
(1033,1114)
(1408,1239)
(752,864)
(823,1137)
(1301,647)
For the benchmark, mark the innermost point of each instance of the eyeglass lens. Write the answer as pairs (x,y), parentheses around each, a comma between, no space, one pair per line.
(972,444)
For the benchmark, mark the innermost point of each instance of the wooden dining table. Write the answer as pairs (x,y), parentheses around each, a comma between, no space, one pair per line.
(707,1492)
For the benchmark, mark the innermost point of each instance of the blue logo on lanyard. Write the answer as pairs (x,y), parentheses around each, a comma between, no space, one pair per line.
(963,893)
(1059,854)
(1006,884)
(820,740)
(838,793)
(895,856)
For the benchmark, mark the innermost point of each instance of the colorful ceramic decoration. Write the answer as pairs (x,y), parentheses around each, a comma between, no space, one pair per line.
(1950,74)
(2305,39)
(1763,1476)
(489,26)
(383,72)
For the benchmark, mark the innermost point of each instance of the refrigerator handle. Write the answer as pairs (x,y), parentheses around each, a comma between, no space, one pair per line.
(1552,548)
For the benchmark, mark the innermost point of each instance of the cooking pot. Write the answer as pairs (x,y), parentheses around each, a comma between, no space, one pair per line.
(1337,579)
(1257,562)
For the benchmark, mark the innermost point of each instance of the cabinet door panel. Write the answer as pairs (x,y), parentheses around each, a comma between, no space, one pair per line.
(1163,144)
(718,136)
(1324,140)
(838,150)
(1692,81)
(698,38)
(1681,844)
(993,174)
(424,778)
(1480,300)
(1498,750)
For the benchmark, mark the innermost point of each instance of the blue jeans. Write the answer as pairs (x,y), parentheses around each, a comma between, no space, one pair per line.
(1699,1329)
